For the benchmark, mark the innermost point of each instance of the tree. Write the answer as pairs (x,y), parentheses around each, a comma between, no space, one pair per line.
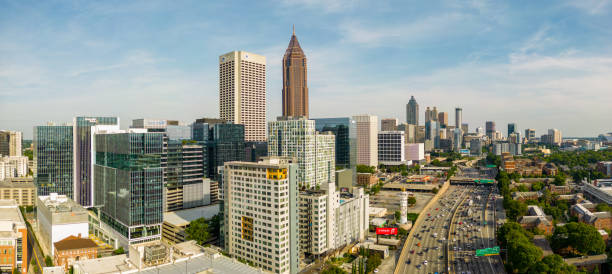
(365,169)
(559,180)
(602,207)
(411,200)
(119,251)
(404,173)
(373,262)
(398,215)
(522,254)
(332,269)
(48,261)
(16,271)
(577,239)
(198,230)
(522,188)
(435,190)
(537,186)
(552,264)
(514,209)
(505,229)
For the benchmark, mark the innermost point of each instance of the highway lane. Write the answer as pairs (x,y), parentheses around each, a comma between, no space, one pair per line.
(432,249)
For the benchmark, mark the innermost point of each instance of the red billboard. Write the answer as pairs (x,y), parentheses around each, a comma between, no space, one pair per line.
(386,230)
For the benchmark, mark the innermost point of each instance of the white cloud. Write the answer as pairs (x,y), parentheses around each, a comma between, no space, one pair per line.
(594,7)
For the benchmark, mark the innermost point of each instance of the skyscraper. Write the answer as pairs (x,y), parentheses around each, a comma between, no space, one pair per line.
(242,92)
(295,85)
(84,130)
(128,182)
(257,228)
(412,112)
(530,134)
(296,137)
(388,124)
(345,129)
(367,139)
(428,115)
(511,128)
(53,156)
(555,136)
(443,119)
(490,130)
(434,114)
(458,117)
(10,143)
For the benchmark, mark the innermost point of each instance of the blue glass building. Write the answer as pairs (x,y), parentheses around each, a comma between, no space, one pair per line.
(53,148)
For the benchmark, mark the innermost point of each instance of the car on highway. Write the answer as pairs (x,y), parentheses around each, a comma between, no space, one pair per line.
(408,261)
(425,262)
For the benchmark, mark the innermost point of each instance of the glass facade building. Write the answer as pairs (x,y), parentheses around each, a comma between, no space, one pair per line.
(53,152)
(221,142)
(129,184)
(345,130)
(83,146)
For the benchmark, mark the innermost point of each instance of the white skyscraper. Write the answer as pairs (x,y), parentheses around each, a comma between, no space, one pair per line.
(367,139)
(261,213)
(242,92)
(315,152)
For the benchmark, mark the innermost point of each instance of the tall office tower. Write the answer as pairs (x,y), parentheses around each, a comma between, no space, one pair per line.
(367,139)
(412,112)
(476,147)
(409,131)
(295,86)
(465,128)
(420,134)
(260,229)
(221,142)
(10,143)
(457,139)
(555,136)
(431,133)
(84,131)
(391,148)
(428,115)
(184,186)
(388,124)
(458,117)
(242,92)
(128,182)
(434,114)
(53,154)
(345,129)
(530,134)
(443,119)
(511,128)
(490,130)
(253,151)
(296,137)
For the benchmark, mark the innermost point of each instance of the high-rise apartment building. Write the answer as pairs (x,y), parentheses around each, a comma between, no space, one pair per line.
(295,84)
(315,154)
(261,213)
(84,131)
(412,112)
(443,119)
(242,92)
(388,124)
(555,136)
(53,156)
(530,134)
(183,165)
(10,143)
(458,117)
(345,130)
(490,130)
(128,183)
(512,128)
(367,139)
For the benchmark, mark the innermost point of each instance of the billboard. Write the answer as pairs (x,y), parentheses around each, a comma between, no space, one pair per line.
(386,231)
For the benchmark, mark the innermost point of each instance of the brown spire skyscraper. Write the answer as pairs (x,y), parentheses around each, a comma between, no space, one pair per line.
(295,87)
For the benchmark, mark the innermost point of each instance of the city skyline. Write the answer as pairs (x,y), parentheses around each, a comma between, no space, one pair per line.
(59,60)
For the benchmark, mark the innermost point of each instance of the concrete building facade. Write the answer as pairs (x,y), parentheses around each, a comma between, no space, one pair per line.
(367,139)
(60,217)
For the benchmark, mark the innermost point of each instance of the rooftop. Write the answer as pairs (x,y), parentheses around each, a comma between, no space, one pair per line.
(185,216)
(9,215)
(541,242)
(72,242)
(60,203)
(587,260)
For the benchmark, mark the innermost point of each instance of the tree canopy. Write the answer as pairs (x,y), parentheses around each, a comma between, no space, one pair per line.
(577,239)
(366,169)
(198,230)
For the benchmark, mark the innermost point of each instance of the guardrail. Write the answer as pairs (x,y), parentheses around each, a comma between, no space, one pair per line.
(418,222)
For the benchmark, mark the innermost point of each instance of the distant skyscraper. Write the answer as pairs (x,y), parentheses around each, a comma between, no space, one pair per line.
(443,119)
(295,86)
(490,129)
(465,128)
(434,114)
(85,129)
(345,130)
(53,158)
(432,130)
(511,128)
(555,136)
(129,184)
(427,115)
(412,112)
(530,134)
(480,131)
(242,92)
(458,117)
(389,124)
(367,139)
(10,143)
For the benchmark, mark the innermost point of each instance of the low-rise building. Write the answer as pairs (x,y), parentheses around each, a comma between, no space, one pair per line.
(528,195)
(60,217)
(599,191)
(366,179)
(72,249)
(21,190)
(600,220)
(605,168)
(537,219)
(175,222)
(13,238)
(561,190)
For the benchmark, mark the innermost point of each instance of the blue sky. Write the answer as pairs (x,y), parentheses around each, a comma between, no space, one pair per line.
(541,64)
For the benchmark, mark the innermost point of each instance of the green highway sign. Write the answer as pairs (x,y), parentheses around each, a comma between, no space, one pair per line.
(488,251)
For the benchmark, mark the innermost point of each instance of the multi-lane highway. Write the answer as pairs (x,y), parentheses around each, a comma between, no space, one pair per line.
(450,233)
